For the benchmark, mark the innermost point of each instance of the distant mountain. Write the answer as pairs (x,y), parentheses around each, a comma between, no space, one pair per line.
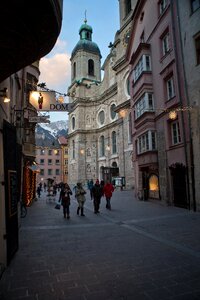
(47,134)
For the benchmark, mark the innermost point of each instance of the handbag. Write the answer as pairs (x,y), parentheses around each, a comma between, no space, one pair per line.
(57,206)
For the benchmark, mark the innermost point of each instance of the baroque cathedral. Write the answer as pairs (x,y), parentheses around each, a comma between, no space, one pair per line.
(100,120)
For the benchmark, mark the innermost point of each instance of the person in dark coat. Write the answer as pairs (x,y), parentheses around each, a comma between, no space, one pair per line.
(65,199)
(97,193)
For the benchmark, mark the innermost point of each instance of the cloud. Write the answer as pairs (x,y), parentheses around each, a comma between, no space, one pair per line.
(56,71)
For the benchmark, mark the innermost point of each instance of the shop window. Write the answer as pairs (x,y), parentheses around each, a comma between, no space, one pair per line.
(153,183)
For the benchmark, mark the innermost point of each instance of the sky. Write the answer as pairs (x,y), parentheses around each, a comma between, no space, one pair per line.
(55,68)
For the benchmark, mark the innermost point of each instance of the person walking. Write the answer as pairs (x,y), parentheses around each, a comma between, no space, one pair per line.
(97,193)
(65,199)
(80,196)
(39,191)
(90,186)
(107,191)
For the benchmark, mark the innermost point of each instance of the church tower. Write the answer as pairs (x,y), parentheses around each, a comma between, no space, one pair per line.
(85,59)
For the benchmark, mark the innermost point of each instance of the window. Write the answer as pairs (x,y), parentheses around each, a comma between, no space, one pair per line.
(49,152)
(112,111)
(41,161)
(176,137)
(129,128)
(165,44)
(56,152)
(102,146)
(162,5)
(49,161)
(91,67)
(73,123)
(57,172)
(42,152)
(49,171)
(147,142)
(101,117)
(195,4)
(114,142)
(57,161)
(66,150)
(42,172)
(170,88)
(145,103)
(65,162)
(127,7)
(197,46)
(74,70)
(144,64)
(73,149)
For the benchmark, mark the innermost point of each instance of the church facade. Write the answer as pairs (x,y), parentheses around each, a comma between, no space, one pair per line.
(100,121)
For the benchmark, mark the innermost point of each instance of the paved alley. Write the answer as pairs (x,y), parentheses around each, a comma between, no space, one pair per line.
(138,250)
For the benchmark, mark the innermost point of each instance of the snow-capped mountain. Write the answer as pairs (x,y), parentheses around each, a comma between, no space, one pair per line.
(51,132)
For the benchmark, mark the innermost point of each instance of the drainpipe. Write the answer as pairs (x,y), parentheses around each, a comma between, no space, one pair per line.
(189,116)
(179,89)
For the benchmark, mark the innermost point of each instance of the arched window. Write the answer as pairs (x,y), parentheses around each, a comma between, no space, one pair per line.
(112,111)
(127,7)
(101,117)
(74,70)
(73,123)
(91,67)
(73,149)
(114,142)
(102,146)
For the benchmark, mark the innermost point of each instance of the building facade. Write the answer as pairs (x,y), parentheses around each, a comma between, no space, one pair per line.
(160,130)
(49,160)
(187,26)
(99,123)
(23,43)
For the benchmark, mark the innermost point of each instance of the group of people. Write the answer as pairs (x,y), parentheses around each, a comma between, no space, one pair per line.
(97,191)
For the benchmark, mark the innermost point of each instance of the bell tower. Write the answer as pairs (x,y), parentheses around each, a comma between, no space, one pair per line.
(85,58)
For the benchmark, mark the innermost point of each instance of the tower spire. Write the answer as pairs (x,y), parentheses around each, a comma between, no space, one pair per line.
(85,21)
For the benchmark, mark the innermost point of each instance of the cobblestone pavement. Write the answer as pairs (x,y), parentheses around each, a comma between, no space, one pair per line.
(138,250)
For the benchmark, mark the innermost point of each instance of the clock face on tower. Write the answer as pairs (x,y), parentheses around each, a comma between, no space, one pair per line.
(126,37)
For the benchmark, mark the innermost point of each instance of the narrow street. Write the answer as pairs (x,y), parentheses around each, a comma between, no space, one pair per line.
(138,250)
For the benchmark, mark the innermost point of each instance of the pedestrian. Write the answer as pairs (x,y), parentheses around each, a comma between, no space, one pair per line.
(38,191)
(80,196)
(90,186)
(65,199)
(97,193)
(107,192)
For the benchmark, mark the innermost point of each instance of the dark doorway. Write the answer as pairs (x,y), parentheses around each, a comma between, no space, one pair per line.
(178,172)
(12,167)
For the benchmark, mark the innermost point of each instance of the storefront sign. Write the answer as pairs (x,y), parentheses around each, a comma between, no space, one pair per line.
(47,101)
(39,119)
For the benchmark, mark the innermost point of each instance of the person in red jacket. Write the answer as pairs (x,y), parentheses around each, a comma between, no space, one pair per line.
(107,192)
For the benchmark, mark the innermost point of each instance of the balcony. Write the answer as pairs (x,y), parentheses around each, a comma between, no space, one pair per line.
(29,30)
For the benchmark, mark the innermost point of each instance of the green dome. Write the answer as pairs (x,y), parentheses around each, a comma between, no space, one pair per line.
(85,27)
(87,46)
(85,43)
